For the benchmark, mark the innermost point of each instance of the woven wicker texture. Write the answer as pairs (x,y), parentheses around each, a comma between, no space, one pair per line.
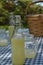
(35,23)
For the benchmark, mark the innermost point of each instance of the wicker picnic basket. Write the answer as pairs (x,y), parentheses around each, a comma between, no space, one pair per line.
(35,24)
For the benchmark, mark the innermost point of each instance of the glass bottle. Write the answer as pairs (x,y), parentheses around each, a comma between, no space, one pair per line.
(17,43)
(11,26)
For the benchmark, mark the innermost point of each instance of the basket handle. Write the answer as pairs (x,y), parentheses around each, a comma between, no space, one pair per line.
(32,4)
(36,2)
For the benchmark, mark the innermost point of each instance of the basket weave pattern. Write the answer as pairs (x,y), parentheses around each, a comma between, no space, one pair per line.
(35,23)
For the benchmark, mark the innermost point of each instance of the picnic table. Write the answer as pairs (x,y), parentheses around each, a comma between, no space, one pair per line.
(6,54)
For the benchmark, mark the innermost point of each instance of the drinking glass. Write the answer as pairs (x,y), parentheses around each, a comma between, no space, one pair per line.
(30,46)
(3,37)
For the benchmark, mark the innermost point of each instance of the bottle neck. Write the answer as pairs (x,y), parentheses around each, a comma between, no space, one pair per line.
(18,26)
(12,19)
(17,32)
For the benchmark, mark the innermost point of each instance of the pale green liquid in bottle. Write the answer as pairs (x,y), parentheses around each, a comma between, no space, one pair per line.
(17,51)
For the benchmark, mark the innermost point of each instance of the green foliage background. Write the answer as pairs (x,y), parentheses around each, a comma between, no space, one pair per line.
(20,8)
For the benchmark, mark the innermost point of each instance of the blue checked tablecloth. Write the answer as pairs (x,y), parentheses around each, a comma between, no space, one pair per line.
(5,55)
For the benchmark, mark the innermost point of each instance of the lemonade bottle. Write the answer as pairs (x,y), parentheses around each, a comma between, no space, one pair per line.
(17,44)
(11,27)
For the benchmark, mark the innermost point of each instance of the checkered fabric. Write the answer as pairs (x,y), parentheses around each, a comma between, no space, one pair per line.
(5,55)
(38,60)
